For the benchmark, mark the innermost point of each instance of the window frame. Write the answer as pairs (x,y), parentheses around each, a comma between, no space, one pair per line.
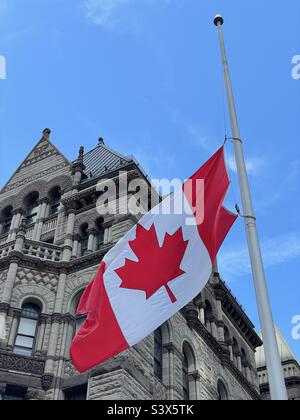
(23,350)
(185,376)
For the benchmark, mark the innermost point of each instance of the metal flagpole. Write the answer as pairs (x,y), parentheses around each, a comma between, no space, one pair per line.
(275,372)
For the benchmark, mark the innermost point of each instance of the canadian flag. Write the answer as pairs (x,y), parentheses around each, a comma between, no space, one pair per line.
(157,268)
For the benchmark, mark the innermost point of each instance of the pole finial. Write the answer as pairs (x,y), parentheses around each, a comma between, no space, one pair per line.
(218,20)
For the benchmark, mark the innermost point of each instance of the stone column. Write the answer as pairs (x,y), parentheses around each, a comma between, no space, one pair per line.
(201,307)
(68,245)
(13,269)
(47,379)
(46,336)
(174,359)
(15,224)
(230,348)
(238,356)
(41,335)
(248,371)
(194,385)
(105,238)
(70,335)
(11,278)
(208,325)
(4,308)
(220,323)
(221,332)
(91,242)
(43,203)
(109,239)
(14,329)
(75,250)
(213,327)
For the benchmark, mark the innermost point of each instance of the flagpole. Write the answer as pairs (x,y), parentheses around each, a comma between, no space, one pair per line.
(275,372)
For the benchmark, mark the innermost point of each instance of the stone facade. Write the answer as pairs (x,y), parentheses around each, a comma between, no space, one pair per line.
(51,243)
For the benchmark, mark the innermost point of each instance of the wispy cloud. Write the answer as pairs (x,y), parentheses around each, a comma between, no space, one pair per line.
(107,13)
(198,138)
(255,165)
(288,184)
(234,262)
(103,12)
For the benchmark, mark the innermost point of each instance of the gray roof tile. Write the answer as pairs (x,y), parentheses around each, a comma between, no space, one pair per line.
(103,159)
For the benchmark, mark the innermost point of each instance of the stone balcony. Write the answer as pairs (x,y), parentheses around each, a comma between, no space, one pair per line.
(28,365)
(41,250)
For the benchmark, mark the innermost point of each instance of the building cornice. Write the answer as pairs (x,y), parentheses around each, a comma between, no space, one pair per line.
(236,314)
(222,354)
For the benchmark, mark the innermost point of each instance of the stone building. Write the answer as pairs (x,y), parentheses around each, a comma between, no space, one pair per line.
(51,242)
(290,367)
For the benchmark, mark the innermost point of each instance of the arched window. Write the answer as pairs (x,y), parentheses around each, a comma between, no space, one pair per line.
(222,392)
(6,220)
(55,196)
(25,340)
(244,358)
(158,354)
(235,346)
(208,313)
(31,203)
(185,377)
(189,384)
(84,238)
(227,335)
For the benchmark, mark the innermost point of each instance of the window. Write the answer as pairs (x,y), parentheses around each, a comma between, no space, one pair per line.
(222,392)
(25,339)
(6,220)
(32,208)
(100,233)
(185,377)
(14,393)
(6,226)
(158,354)
(78,393)
(80,319)
(208,312)
(84,238)
(55,196)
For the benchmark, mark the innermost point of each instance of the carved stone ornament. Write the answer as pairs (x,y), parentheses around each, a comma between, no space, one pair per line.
(47,381)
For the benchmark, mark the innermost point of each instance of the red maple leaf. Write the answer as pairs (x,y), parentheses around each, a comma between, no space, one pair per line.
(157,266)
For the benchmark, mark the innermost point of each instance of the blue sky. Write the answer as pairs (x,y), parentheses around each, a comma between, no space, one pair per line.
(146,75)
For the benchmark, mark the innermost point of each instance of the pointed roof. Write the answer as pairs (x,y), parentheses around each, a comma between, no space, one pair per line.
(285,351)
(45,151)
(102,159)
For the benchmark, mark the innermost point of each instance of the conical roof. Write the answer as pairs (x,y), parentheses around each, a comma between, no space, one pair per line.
(285,351)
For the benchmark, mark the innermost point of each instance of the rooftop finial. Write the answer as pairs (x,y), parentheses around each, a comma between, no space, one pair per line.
(46,133)
(101,141)
(81,153)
